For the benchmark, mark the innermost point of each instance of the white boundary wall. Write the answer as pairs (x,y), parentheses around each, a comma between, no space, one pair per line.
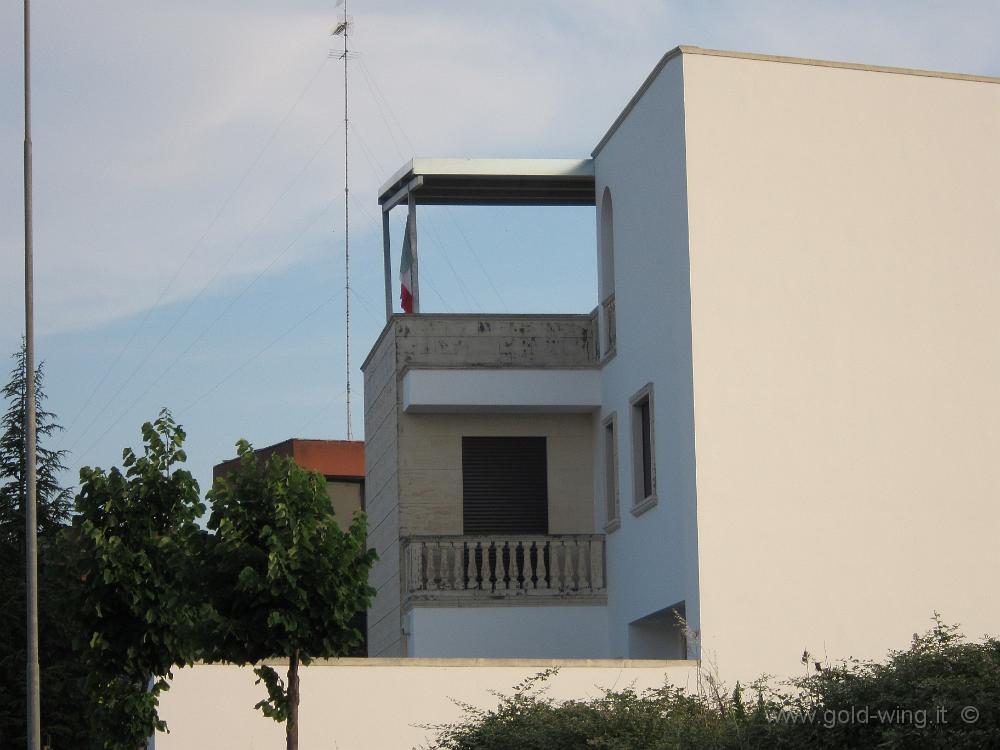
(368,704)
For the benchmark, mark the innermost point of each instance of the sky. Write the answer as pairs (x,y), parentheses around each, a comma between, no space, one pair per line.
(189,181)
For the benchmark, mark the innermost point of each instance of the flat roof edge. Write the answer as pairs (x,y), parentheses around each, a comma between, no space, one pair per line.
(398,176)
(846,65)
(449,662)
(389,326)
(691,50)
(485,167)
(675,52)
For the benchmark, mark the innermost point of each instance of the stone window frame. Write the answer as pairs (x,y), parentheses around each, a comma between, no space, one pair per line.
(612,479)
(641,502)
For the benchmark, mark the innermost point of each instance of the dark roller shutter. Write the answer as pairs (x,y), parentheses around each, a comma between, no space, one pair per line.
(505,485)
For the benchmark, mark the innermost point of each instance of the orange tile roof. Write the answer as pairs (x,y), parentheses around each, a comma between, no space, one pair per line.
(331,458)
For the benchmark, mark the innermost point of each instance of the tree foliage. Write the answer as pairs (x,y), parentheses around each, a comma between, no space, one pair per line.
(288,581)
(135,588)
(60,669)
(53,499)
(136,528)
(941,692)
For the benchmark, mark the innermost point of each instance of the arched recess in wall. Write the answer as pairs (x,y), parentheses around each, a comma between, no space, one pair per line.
(607,245)
(607,280)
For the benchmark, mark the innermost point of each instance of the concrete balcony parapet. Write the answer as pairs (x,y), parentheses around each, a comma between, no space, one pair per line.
(432,340)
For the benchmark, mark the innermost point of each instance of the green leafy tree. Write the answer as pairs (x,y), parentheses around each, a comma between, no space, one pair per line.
(288,581)
(137,531)
(59,665)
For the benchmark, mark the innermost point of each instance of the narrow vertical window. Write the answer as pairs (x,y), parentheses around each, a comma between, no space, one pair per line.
(611,474)
(647,459)
(643,453)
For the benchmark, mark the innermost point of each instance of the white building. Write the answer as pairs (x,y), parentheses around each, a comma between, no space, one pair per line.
(782,420)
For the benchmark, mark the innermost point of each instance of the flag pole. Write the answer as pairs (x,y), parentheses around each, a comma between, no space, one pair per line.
(386,266)
(30,524)
(411,230)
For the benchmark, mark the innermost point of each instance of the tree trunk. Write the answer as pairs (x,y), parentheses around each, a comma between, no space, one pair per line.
(292,725)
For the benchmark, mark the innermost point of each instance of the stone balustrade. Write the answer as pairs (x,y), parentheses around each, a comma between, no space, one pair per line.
(437,568)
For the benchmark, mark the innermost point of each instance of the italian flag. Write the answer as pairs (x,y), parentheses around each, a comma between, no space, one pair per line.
(406,269)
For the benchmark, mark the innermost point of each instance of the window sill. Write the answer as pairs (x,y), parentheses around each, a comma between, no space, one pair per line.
(613,525)
(641,507)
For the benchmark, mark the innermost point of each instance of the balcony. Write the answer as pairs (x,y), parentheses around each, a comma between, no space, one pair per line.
(452,570)
(495,341)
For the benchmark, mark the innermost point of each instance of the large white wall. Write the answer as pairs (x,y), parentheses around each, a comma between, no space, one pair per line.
(845,275)
(651,558)
(367,704)
(508,631)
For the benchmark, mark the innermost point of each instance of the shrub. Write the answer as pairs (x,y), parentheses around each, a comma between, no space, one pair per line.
(941,692)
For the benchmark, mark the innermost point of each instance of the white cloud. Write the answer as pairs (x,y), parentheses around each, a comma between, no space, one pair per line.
(147,115)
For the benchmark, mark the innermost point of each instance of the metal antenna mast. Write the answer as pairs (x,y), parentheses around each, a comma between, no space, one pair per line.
(30,496)
(343,28)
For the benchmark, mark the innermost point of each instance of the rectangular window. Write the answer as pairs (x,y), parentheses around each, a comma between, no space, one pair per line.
(647,460)
(611,474)
(504,485)
(643,454)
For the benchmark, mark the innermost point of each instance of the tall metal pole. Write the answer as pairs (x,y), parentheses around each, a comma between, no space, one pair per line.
(411,227)
(386,268)
(347,232)
(30,524)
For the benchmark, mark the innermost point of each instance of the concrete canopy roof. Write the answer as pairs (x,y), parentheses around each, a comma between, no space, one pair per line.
(493,182)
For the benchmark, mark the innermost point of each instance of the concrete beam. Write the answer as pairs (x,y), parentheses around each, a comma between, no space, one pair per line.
(501,390)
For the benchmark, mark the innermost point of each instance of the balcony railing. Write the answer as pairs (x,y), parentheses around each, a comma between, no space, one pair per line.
(503,567)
